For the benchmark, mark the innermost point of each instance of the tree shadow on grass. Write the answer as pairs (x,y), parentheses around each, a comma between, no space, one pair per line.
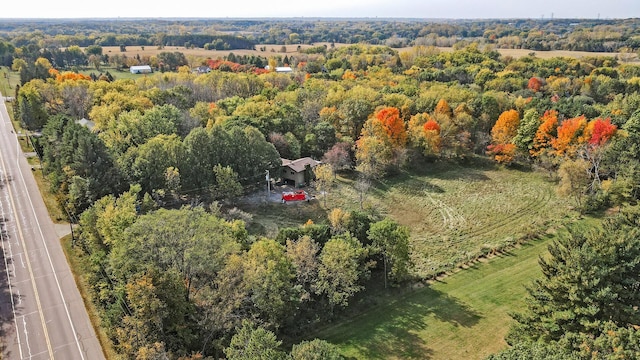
(394,330)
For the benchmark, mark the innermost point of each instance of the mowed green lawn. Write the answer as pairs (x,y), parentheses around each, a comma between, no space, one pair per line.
(463,316)
(459,212)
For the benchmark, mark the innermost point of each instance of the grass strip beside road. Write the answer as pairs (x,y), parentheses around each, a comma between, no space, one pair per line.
(463,316)
(79,266)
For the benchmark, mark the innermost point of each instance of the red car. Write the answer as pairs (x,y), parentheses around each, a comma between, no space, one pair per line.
(298,195)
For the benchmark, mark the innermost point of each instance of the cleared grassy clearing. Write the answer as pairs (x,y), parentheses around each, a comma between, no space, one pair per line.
(458,213)
(464,316)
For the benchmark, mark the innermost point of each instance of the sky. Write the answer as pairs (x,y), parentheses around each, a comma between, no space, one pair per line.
(447,9)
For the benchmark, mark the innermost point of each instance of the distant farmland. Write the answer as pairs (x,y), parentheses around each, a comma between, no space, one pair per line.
(292,50)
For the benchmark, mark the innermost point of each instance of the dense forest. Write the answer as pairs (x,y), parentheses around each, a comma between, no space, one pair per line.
(152,185)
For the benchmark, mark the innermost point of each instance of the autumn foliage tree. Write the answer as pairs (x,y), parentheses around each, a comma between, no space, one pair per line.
(600,131)
(535,84)
(502,135)
(569,136)
(382,142)
(431,131)
(443,108)
(547,131)
(393,125)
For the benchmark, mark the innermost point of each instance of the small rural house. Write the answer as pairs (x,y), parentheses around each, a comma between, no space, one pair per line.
(140,69)
(86,123)
(202,70)
(281,69)
(293,170)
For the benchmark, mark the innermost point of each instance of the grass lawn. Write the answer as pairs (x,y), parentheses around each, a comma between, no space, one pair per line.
(50,202)
(463,316)
(8,81)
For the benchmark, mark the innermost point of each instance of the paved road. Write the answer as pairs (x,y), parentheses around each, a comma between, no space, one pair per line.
(42,315)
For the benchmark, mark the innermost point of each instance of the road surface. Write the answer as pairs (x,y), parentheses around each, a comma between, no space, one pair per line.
(42,315)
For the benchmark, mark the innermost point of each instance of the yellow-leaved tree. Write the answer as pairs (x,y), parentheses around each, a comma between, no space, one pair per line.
(502,135)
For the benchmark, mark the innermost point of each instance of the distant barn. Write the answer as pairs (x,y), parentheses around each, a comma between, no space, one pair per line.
(140,69)
(281,69)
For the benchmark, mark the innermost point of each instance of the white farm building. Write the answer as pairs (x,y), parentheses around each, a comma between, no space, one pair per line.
(141,69)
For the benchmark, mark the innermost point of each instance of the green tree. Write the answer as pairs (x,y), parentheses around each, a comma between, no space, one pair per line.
(341,270)
(392,241)
(31,106)
(354,113)
(323,179)
(574,179)
(93,50)
(147,163)
(527,131)
(226,186)
(269,278)
(192,242)
(591,278)
(172,179)
(303,253)
(254,343)
(315,349)
(535,350)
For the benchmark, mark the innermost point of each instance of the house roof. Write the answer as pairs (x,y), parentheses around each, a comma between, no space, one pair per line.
(140,67)
(281,69)
(284,69)
(86,123)
(298,165)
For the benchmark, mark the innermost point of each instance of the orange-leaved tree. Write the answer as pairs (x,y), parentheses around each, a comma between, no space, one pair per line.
(547,131)
(535,84)
(432,135)
(502,135)
(393,125)
(424,133)
(569,136)
(596,135)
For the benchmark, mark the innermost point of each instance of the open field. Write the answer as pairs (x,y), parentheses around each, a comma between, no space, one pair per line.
(457,213)
(463,316)
(272,50)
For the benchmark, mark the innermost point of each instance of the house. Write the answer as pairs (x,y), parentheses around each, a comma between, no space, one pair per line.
(284,69)
(140,69)
(86,123)
(281,69)
(202,69)
(293,170)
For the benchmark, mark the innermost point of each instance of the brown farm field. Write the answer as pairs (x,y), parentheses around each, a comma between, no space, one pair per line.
(292,49)
(200,52)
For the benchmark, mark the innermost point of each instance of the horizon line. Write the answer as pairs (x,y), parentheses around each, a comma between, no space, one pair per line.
(306,17)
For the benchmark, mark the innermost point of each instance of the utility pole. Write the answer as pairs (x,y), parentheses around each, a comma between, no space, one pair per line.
(268,185)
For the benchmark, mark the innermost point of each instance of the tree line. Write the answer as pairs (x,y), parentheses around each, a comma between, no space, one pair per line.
(608,35)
